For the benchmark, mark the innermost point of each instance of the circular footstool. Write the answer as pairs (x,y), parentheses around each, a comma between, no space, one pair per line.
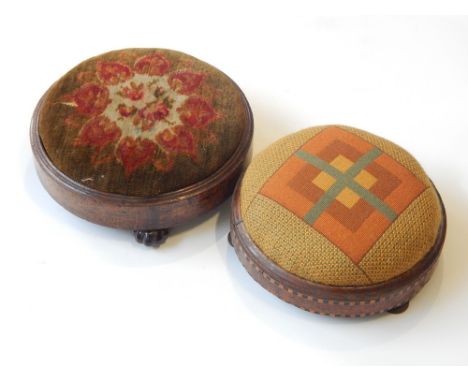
(338,221)
(141,139)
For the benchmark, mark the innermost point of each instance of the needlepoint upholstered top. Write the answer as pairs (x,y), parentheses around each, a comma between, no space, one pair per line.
(142,122)
(339,207)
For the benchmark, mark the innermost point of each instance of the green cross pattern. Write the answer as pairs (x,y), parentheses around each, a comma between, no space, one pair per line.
(344,179)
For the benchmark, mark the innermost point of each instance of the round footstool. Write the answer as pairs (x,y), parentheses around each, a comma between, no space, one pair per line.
(338,221)
(141,139)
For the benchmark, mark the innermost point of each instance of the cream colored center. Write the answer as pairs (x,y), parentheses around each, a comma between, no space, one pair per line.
(154,88)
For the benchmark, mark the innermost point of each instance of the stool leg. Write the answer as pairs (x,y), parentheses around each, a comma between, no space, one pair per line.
(399,309)
(151,238)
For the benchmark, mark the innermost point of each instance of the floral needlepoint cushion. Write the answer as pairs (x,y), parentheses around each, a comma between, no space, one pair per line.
(338,207)
(141,122)
(142,139)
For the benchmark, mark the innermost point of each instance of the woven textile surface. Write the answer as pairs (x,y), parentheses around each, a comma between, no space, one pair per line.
(142,122)
(339,206)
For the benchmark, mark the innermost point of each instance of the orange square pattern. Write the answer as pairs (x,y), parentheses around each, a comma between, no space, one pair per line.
(345,188)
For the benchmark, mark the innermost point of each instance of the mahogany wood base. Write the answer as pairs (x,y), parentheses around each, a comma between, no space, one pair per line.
(391,296)
(151,238)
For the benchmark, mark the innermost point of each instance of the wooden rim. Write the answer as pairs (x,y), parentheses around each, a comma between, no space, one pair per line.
(348,301)
(220,185)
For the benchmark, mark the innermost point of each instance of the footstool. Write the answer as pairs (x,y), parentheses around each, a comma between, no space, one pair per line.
(141,139)
(338,221)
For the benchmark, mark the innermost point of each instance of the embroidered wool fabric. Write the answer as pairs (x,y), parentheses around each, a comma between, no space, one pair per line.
(142,122)
(339,206)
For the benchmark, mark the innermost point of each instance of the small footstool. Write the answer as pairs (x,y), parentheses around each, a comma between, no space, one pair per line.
(141,139)
(338,221)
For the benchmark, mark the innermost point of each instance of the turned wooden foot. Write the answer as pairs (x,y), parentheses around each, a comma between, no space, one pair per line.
(151,238)
(230,239)
(399,309)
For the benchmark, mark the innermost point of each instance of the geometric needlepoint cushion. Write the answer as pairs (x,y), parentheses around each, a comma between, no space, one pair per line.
(142,122)
(340,185)
(339,206)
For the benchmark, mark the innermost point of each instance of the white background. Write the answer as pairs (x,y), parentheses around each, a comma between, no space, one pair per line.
(84,302)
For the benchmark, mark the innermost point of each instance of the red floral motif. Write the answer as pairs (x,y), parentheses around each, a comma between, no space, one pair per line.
(135,153)
(142,119)
(98,132)
(91,99)
(126,111)
(151,113)
(111,73)
(197,113)
(178,140)
(154,64)
(134,92)
(185,82)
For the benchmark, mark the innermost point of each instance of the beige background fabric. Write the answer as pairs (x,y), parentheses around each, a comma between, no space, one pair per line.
(406,241)
(269,160)
(295,246)
(300,249)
